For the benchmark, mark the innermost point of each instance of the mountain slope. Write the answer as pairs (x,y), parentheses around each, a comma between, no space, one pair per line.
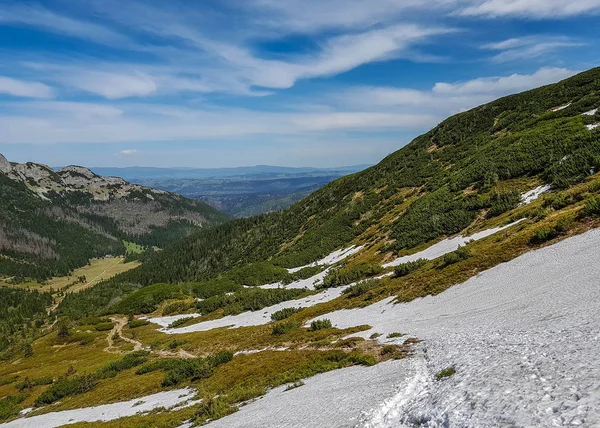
(469,169)
(52,222)
(435,186)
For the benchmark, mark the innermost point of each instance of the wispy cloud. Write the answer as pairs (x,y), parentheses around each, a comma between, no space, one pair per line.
(525,48)
(360,109)
(539,9)
(446,98)
(21,88)
(32,15)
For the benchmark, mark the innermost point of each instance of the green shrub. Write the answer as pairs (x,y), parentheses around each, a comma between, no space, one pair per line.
(176,343)
(8,380)
(592,207)
(177,371)
(255,274)
(32,383)
(320,325)
(503,202)
(147,299)
(349,274)
(304,273)
(138,323)
(180,322)
(389,349)
(361,288)
(177,307)
(285,327)
(9,406)
(463,253)
(65,387)
(93,321)
(247,299)
(284,313)
(445,373)
(545,234)
(105,326)
(127,362)
(213,408)
(409,267)
(394,335)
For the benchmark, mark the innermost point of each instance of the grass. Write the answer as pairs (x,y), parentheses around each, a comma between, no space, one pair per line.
(96,271)
(133,248)
(443,374)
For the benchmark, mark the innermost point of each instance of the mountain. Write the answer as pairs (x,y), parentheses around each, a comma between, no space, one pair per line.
(469,169)
(137,172)
(252,193)
(453,284)
(54,221)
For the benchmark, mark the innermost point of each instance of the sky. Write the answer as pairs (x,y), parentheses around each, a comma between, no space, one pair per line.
(221,83)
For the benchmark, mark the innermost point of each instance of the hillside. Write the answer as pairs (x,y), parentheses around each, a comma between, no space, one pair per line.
(52,222)
(470,167)
(453,284)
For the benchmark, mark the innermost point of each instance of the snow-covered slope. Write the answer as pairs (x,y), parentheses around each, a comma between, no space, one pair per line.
(524,338)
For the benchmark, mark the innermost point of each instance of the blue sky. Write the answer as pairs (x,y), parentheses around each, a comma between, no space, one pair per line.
(288,82)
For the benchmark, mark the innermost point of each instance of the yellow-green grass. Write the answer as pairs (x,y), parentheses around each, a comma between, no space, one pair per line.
(238,339)
(96,271)
(133,248)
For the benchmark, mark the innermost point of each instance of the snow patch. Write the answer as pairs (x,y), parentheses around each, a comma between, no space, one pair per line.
(532,195)
(308,283)
(590,113)
(178,398)
(592,127)
(248,319)
(562,107)
(165,322)
(332,258)
(447,246)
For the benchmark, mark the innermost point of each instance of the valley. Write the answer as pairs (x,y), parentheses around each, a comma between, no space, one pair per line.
(452,284)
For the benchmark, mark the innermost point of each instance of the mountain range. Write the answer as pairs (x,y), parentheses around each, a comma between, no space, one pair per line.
(54,221)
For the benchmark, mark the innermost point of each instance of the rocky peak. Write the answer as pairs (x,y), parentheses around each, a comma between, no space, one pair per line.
(77,170)
(5,166)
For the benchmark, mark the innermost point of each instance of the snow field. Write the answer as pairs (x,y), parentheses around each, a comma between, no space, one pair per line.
(248,319)
(524,338)
(178,398)
(446,246)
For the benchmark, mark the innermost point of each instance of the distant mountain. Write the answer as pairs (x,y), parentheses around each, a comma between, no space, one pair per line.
(136,172)
(54,221)
(252,194)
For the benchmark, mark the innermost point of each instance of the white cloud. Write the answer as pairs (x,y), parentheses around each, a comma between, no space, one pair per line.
(540,9)
(20,88)
(114,85)
(358,110)
(144,123)
(524,48)
(504,85)
(36,16)
(127,153)
(446,98)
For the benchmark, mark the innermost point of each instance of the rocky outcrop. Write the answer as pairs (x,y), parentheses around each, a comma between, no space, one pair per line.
(5,166)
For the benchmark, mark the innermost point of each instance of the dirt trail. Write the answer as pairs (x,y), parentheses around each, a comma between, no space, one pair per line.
(121,322)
